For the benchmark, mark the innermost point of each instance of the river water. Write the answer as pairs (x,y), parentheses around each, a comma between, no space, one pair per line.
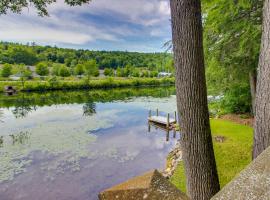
(72,145)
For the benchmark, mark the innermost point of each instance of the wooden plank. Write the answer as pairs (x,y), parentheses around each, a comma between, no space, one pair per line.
(161,120)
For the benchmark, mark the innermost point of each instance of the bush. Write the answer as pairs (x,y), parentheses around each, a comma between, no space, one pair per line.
(108,72)
(237,99)
(42,69)
(79,69)
(64,72)
(6,70)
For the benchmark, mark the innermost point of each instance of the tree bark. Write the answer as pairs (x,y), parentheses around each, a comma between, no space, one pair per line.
(262,117)
(252,83)
(196,140)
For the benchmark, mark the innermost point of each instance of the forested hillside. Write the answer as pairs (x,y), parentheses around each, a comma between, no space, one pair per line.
(32,54)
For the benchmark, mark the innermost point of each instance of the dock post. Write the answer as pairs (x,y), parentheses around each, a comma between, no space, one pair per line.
(157,113)
(175,117)
(174,133)
(149,115)
(168,135)
(168,120)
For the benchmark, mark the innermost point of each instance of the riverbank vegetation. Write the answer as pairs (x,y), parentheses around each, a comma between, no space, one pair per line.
(55,83)
(232,146)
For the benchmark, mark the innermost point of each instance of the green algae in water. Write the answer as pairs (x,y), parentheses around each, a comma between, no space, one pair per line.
(66,139)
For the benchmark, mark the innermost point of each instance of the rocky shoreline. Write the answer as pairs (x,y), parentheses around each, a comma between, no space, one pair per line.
(174,157)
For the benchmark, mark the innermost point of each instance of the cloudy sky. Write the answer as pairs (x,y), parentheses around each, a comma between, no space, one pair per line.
(132,25)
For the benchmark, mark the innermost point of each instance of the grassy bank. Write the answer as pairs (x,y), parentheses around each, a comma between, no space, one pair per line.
(55,84)
(231,156)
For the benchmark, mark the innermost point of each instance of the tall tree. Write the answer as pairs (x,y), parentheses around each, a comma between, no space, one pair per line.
(262,118)
(91,69)
(42,69)
(196,141)
(24,73)
(233,33)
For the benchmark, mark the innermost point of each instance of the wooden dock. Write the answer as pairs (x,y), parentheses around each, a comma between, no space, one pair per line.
(162,120)
(168,122)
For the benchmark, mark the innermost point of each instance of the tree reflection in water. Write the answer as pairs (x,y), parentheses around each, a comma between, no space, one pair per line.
(1,141)
(89,109)
(16,139)
(21,138)
(24,103)
(1,115)
(23,107)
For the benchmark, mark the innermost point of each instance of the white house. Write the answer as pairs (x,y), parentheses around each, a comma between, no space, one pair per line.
(164,74)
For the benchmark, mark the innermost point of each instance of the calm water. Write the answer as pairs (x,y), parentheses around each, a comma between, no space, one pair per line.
(72,145)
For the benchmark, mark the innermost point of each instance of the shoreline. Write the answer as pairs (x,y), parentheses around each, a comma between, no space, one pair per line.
(107,83)
(173,159)
(175,155)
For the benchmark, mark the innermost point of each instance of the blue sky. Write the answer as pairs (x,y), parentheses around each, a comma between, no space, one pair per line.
(132,25)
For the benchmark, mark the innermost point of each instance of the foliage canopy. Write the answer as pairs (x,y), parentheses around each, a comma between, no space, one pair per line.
(41,5)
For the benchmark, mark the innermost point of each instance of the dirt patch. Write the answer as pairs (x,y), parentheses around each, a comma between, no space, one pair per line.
(240,119)
(220,138)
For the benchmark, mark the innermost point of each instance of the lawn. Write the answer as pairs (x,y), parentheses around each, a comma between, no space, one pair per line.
(231,156)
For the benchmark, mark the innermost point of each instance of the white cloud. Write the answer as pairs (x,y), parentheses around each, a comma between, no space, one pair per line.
(76,25)
(164,8)
(144,12)
(28,27)
(44,35)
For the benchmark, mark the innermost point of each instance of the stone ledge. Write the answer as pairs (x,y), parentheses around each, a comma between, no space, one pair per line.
(151,186)
(253,183)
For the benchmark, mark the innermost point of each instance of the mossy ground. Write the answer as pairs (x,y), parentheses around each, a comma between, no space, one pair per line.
(232,155)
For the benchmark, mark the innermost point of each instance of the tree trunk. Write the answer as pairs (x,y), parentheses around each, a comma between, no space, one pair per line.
(252,83)
(196,140)
(262,117)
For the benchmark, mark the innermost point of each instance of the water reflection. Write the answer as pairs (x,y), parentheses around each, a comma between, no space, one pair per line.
(24,103)
(1,141)
(17,139)
(1,115)
(23,107)
(21,138)
(55,150)
(164,129)
(22,111)
(89,109)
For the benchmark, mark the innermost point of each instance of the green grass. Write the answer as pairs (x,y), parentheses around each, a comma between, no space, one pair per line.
(232,156)
(59,84)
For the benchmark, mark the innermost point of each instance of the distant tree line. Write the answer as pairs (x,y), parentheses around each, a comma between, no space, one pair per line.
(32,54)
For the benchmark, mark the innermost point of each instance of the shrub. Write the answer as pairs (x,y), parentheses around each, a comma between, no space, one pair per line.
(6,70)
(108,72)
(79,69)
(64,71)
(42,69)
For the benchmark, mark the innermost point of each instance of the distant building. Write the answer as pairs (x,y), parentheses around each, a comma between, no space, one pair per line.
(17,76)
(101,73)
(164,74)
(33,70)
